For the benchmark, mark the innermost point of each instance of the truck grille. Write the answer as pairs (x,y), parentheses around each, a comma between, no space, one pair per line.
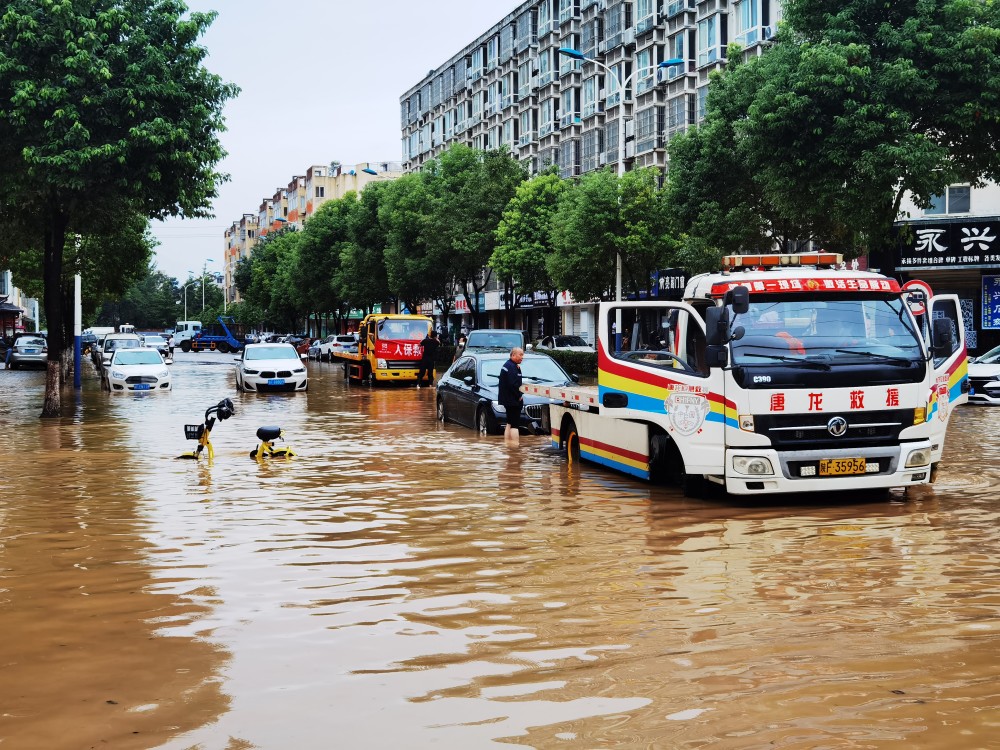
(401,364)
(810,430)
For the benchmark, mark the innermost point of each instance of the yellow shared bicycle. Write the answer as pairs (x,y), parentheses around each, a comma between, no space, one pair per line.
(202,432)
(266,449)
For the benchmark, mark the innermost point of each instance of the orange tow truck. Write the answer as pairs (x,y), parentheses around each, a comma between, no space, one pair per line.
(389,349)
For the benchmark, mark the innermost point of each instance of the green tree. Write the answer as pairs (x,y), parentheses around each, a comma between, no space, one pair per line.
(471,189)
(417,266)
(858,103)
(324,238)
(362,279)
(266,279)
(524,240)
(604,219)
(106,104)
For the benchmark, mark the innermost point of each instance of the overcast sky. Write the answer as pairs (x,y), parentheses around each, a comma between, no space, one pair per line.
(320,80)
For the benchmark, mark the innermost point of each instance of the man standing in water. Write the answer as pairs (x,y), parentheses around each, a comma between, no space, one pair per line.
(430,346)
(510,397)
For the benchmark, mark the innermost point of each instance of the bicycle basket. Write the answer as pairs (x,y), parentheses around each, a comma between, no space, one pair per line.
(194,431)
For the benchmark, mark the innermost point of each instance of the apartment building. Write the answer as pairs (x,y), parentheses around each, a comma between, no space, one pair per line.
(643,77)
(293,204)
(512,86)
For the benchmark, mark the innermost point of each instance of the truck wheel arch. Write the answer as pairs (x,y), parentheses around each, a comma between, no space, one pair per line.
(569,439)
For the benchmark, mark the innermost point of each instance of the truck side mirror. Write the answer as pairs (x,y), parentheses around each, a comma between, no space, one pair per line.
(716,325)
(739,298)
(942,340)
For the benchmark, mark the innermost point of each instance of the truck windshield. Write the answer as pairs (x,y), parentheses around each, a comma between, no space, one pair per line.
(830,330)
(403,330)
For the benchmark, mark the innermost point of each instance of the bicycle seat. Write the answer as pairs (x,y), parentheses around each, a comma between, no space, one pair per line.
(269,433)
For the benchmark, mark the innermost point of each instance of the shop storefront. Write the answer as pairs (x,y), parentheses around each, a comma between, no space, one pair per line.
(958,256)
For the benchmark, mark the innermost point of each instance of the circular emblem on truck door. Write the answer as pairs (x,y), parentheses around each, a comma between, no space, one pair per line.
(837,426)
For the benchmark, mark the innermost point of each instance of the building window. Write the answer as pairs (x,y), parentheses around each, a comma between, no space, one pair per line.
(320,191)
(956,200)
(708,40)
(644,70)
(747,15)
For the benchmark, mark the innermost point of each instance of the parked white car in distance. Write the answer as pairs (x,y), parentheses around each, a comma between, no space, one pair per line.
(984,378)
(268,368)
(564,344)
(338,344)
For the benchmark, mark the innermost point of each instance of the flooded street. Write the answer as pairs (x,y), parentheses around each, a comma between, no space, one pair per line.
(403,584)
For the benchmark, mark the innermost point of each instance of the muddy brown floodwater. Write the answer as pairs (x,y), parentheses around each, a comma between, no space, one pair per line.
(402,584)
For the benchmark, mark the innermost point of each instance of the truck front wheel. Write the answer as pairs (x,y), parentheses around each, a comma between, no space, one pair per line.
(185,346)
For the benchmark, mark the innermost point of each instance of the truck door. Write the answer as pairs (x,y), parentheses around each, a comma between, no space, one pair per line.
(661,376)
(945,337)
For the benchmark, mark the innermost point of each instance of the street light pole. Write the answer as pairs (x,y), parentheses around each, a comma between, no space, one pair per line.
(577,55)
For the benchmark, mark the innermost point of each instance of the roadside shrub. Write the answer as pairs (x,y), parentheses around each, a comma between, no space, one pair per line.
(583,364)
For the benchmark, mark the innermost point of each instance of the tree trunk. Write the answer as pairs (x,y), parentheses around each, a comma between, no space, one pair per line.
(52,267)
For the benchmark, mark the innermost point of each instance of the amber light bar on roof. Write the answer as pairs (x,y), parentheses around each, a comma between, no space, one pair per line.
(777,260)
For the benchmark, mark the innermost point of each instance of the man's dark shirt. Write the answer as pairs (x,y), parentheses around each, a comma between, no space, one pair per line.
(430,346)
(510,383)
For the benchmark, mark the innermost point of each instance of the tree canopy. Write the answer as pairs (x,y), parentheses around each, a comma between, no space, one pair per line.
(854,105)
(107,107)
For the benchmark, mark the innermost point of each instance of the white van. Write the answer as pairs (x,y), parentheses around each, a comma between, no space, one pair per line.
(185,329)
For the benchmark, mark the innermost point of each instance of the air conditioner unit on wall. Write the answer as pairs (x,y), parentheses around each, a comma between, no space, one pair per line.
(767,33)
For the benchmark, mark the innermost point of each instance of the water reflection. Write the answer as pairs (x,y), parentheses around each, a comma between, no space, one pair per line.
(409,584)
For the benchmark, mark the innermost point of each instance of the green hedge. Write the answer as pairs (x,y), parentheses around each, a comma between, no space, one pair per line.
(583,364)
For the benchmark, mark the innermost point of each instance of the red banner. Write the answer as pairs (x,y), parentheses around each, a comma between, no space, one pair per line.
(771,286)
(388,349)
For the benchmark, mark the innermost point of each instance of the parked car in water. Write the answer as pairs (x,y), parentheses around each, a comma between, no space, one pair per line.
(87,342)
(29,349)
(984,378)
(158,342)
(264,368)
(340,343)
(503,339)
(115,341)
(565,344)
(467,392)
(136,369)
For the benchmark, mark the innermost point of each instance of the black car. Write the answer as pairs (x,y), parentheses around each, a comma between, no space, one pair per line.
(467,392)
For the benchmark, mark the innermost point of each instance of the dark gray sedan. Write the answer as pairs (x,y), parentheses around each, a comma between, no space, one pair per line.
(467,392)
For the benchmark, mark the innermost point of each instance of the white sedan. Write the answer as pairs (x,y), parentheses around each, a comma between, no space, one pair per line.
(136,369)
(267,368)
(565,344)
(984,378)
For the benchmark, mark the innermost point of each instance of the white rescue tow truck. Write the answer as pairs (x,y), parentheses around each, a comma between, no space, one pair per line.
(781,373)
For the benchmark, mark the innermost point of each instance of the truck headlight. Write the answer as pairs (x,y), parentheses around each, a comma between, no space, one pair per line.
(381,364)
(920,457)
(752,465)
